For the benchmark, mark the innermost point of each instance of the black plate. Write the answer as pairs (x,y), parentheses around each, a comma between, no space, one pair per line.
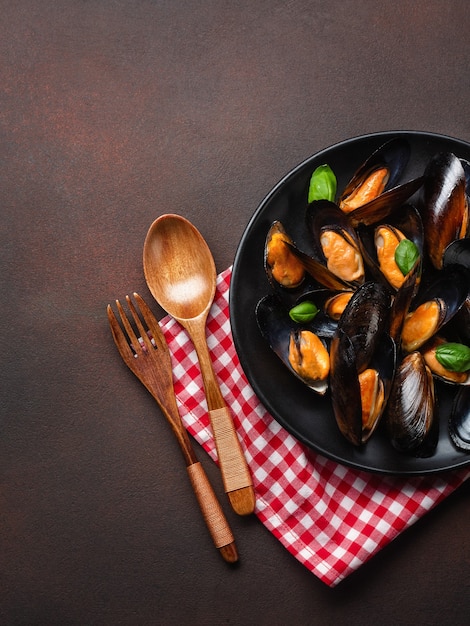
(304,414)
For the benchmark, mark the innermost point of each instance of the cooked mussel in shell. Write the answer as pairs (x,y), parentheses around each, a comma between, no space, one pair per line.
(381,170)
(439,370)
(373,192)
(362,360)
(380,242)
(422,324)
(335,241)
(308,356)
(435,307)
(445,205)
(410,418)
(331,302)
(380,208)
(302,348)
(342,255)
(282,266)
(334,305)
(387,239)
(359,396)
(369,188)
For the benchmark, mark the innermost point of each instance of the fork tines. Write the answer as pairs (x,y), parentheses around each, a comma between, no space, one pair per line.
(146,339)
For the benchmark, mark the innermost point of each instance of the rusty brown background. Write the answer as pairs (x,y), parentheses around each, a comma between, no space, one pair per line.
(113,112)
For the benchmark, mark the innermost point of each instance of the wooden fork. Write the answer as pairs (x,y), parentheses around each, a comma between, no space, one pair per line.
(147,355)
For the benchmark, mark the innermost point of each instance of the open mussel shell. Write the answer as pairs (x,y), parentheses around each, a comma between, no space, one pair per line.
(282,268)
(326,221)
(444,206)
(441,373)
(345,387)
(459,419)
(404,222)
(449,290)
(410,418)
(378,209)
(392,155)
(331,302)
(401,302)
(344,384)
(278,328)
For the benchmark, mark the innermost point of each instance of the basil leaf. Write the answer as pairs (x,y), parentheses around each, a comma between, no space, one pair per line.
(322,184)
(303,312)
(406,255)
(454,356)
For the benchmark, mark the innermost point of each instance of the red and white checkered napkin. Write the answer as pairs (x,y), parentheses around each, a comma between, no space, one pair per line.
(330,517)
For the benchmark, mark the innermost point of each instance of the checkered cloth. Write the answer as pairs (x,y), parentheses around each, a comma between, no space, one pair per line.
(330,517)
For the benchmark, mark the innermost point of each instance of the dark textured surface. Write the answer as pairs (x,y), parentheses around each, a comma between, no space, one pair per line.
(112,113)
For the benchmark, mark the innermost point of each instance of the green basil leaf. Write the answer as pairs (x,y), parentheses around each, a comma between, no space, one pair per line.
(454,356)
(303,312)
(406,255)
(322,184)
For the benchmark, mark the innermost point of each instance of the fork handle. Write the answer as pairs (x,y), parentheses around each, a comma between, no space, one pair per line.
(212,512)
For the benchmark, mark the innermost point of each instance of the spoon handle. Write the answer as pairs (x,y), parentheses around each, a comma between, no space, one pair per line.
(236,475)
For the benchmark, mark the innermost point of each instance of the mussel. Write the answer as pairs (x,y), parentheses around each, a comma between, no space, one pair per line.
(365,319)
(387,239)
(302,348)
(434,307)
(335,241)
(334,305)
(444,206)
(309,357)
(402,301)
(380,241)
(331,301)
(440,371)
(422,324)
(380,171)
(359,396)
(410,418)
(282,266)
(378,209)
(362,360)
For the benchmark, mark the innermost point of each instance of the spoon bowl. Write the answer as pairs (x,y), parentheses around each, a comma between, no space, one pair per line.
(179,267)
(181,275)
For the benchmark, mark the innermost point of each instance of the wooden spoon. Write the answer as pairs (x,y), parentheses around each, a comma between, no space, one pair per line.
(181,275)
